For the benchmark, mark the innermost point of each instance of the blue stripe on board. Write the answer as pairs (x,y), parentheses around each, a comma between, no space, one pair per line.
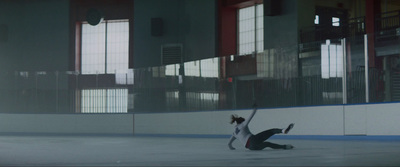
(288,137)
(182,135)
(65,134)
(284,137)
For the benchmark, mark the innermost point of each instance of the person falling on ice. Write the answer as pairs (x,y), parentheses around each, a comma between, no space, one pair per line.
(255,142)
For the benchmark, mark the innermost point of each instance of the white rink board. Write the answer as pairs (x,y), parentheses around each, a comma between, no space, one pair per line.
(367,119)
(383,119)
(110,124)
(327,120)
(363,119)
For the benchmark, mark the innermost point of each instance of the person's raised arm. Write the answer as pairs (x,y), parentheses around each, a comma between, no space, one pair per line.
(252,114)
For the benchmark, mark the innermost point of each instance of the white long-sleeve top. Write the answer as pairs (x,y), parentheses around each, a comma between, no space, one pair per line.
(242,132)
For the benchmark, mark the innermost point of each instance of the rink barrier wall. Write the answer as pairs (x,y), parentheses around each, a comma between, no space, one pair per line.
(66,124)
(381,119)
(287,137)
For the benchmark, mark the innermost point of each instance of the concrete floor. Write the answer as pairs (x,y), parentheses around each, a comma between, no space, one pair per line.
(166,151)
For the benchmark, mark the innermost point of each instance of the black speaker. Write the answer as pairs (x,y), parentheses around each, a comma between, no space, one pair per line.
(156,27)
(272,7)
(94,16)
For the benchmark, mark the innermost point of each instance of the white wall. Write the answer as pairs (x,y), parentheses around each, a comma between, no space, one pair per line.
(37,36)
(367,119)
(383,119)
(191,23)
(326,120)
(106,124)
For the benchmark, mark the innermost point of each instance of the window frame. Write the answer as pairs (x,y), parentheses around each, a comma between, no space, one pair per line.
(257,44)
(79,48)
(100,82)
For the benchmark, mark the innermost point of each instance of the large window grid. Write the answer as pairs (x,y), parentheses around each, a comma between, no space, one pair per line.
(251,29)
(331,60)
(207,68)
(194,100)
(104,101)
(105,47)
(105,50)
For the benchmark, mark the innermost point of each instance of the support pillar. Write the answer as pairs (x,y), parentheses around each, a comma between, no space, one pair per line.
(372,8)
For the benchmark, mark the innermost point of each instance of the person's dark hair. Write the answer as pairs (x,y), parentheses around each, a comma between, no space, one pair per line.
(235,118)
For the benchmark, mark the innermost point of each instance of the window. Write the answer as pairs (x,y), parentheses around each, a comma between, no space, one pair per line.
(331,60)
(251,29)
(105,47)
(206,68)
(202,100)
(210,68)
(335,21)
(104,101)
(194,100)
(172,70)
(316,20)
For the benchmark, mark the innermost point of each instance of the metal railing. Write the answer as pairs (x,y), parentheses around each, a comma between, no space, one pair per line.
(276,80)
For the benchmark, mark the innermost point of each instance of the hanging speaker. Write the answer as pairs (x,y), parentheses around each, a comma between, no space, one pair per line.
(94,16)
(156,27)
(272,7)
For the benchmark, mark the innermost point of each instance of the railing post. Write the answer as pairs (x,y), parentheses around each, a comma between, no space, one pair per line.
(344,76)
(366,68)
(57,93)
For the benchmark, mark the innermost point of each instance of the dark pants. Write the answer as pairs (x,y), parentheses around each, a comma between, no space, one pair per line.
(257,142)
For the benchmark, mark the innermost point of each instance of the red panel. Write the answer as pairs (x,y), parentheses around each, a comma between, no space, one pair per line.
(228,24)
(227,31)
(372,8)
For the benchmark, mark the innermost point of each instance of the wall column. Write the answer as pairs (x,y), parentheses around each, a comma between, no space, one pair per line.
(372,8)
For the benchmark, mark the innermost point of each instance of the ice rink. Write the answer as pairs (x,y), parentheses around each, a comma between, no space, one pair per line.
(184,151)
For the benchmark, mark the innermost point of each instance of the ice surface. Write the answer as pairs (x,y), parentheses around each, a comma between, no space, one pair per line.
(166,151)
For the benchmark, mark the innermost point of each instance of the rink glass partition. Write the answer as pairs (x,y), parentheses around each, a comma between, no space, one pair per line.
(326,72)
